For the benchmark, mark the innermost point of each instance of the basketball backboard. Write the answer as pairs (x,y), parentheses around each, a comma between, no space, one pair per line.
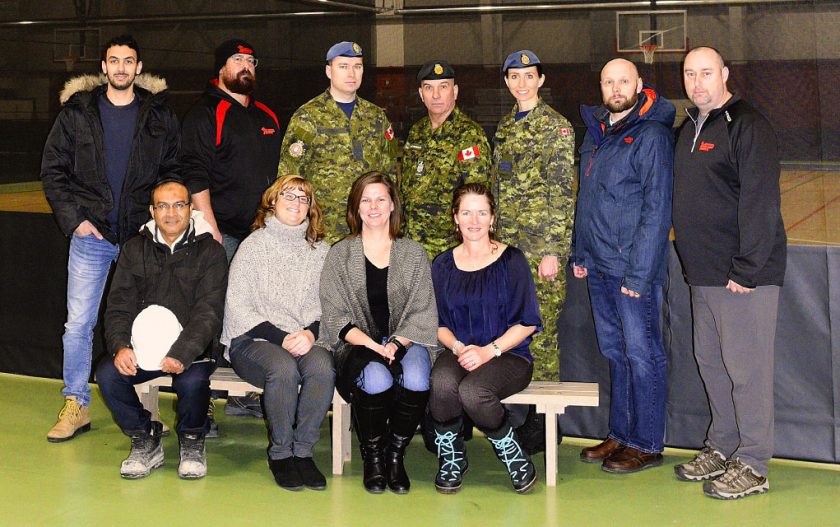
(665,29)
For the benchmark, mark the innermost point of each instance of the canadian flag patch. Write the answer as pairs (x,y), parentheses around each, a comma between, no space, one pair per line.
(565,131)
(389,133)
(469,153)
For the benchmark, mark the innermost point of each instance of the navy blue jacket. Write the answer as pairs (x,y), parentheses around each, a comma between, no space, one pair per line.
(623,212)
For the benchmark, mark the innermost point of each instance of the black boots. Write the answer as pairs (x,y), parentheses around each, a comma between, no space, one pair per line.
(508,449)
(451,454)
(371,416)
(406,415)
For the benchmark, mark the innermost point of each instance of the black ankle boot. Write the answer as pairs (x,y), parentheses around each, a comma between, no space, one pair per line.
(508,449)
(371,414)
(452,456)
(406,415)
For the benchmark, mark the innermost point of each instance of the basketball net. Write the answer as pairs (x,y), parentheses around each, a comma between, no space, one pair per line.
(648,50)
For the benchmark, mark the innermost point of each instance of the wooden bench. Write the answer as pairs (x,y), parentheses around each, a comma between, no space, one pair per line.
(550,398)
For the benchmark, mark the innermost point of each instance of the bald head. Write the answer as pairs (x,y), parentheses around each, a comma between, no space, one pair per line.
(705,76)
(620,87)
(708,53)
(619,67)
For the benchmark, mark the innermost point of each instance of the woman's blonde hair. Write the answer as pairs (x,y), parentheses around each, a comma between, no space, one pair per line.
(315,231)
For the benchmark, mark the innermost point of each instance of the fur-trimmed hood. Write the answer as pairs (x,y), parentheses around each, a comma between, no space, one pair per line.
(85,83)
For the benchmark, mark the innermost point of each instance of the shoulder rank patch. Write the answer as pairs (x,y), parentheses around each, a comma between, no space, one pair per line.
(469,153)
(389,133)
(296,149)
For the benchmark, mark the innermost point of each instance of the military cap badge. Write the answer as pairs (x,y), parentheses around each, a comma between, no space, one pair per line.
(438,69)
(357,48)
(296,149)
(525,59)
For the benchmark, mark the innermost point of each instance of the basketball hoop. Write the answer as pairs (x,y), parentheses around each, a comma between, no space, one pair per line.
(648,50)
(69,62)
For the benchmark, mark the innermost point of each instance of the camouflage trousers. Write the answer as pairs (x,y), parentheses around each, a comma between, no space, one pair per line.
(545,346)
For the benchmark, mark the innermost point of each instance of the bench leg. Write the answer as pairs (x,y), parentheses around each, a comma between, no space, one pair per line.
(346,448)
(148,398)
(551,445)
(340,435)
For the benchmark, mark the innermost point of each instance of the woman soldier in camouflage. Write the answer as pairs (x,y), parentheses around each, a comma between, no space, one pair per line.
(533,162)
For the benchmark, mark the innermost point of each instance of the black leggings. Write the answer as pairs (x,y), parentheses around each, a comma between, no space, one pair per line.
(478,393)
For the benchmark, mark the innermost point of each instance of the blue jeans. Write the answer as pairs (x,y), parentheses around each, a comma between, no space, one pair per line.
(192,388)
(630,339)
(416,367)
(231,244)
(87,271)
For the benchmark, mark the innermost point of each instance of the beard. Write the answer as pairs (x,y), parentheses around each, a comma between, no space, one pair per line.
(243,82)
(121,85)
(621,107)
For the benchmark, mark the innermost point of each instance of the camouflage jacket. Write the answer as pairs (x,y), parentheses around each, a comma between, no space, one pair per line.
(331,151)
(533,169)
(435,163)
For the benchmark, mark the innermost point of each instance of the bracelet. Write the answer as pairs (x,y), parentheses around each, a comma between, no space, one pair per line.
(458,344)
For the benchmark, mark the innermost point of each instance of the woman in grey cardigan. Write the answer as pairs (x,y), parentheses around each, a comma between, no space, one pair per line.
(380,321)
(271,323)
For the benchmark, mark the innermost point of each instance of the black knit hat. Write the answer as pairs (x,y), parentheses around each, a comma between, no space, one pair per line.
(229,48)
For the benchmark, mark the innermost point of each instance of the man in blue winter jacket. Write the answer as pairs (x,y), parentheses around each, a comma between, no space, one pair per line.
(619,245)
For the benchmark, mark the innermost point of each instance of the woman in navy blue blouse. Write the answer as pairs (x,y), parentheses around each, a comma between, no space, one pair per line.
(488,311)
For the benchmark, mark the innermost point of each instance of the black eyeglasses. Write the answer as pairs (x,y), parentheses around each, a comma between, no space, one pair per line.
(288,196)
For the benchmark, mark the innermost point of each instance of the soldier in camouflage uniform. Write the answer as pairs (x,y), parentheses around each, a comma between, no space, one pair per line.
(533,163)
(337,136)
(444,150)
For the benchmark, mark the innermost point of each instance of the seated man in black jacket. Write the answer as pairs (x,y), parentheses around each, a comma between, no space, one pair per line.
(174,264)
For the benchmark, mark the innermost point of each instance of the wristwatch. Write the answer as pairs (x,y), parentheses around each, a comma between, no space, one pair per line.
(497,351)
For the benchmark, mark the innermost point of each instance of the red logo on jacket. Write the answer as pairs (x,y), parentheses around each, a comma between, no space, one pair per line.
(705,147)
(628,139)
(267,131)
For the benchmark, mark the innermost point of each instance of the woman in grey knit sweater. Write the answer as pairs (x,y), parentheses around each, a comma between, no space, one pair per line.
(272,315)
(380,321)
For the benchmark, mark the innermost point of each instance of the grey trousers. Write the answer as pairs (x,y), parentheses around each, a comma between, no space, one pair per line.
(294,418)
(734,343)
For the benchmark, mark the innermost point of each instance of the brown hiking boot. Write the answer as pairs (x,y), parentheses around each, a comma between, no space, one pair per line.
(73,420)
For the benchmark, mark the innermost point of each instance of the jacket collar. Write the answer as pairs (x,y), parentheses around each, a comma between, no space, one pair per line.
(694,112)
(145,85)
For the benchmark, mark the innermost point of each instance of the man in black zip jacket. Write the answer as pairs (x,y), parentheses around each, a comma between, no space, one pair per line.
(231,146)
(174,264)
(732,245)
(114,138)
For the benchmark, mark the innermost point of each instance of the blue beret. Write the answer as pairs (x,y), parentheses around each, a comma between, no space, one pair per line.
(524,58)
(344,49)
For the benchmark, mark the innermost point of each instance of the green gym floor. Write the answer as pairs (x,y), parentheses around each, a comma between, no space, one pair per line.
(78,483)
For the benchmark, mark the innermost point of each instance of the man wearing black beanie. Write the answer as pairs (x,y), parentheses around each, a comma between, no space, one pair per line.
(230,150)
(231,146)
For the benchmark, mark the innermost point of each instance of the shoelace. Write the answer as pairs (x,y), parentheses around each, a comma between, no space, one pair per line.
(71,409)
(446,447)
(734,470)
(706,457)
(511,453)
(191,449)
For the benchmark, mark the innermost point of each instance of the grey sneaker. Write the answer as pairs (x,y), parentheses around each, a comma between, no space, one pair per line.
(738,481)
(193,457)
(247,405)
(146,453)
(707,464)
